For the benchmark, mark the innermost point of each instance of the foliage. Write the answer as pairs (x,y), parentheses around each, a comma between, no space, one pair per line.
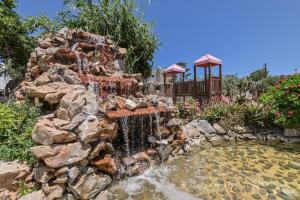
(16,124)
(284,98)
(187,70)
(24,188)
(188,110)
(120,20)
(229,115)
(250,87)
(15,42)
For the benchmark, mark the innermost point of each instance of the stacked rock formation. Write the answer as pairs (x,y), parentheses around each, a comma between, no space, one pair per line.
(100,127)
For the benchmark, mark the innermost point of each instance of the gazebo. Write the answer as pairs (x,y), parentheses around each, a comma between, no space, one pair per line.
(202,90)
(173,70)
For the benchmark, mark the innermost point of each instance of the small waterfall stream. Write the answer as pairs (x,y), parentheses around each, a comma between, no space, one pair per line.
(142,131)
(125,129)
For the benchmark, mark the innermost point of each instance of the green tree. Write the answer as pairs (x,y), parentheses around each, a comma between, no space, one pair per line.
(15,42)
(120,20)
(187,70)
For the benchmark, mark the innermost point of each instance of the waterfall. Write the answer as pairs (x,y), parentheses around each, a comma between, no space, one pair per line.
(124,124)
(150,123)
(158,130)
(79,61)
(93,87)
(142,131)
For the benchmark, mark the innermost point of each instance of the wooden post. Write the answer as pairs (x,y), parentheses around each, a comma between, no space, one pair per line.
(205,81)
(209,82)
(220,76)
(183,86)
(174,95)
(195,82)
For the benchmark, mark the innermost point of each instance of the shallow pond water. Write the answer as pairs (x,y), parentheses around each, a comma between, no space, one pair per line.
(241,171)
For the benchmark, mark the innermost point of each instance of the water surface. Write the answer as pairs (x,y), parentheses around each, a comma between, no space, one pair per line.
(242,171)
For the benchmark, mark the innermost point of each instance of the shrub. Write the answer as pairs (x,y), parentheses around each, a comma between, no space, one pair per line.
(188,110)
(284,100)
(253,115)
(16,124)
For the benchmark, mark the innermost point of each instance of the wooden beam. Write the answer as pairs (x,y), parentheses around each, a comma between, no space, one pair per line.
(195,82)
(174,95)
(209,82)
(183,88)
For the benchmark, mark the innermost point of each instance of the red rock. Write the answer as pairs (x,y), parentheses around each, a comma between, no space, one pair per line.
(107,165)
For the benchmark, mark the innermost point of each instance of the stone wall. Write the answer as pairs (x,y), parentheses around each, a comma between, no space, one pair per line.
(100,127)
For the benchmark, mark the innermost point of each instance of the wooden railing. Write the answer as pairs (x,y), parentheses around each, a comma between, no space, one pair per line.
(190,88)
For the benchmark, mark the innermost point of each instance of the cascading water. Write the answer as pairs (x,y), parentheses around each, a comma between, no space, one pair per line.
(142,131)
(125,129)
(156,177)
(150,123)
(94,87)
(79,61)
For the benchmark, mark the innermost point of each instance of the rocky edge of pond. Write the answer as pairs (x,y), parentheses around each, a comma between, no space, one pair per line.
(86,143)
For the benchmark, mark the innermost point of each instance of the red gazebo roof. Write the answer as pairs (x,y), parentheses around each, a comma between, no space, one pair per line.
(208,60)
(174,69)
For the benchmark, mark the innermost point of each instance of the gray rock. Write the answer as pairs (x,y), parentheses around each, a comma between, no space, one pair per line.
(88,186)
(290,192)
(43,174)
(292,132)
(220,130)
(73,174)
(174,122)
(45,133)
(129,104)
(37,195)
(10,173)
(68,154)
(196,127)
(88,131)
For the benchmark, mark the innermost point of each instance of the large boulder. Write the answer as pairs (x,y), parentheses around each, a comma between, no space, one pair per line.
(108,130)
(37,195)
(10,173)
(75,102)
(107,165)
(198,127)
(89,185)
(51,92)
(88,131)
(67,154)
(45,133)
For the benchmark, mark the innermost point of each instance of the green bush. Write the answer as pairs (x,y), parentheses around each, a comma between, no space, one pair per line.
(188,110)
(284,100)
(16,124)
(253,115)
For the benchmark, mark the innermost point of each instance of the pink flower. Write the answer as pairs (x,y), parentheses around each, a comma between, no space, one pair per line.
(277,114)
(298,86)
(277,87)
(290,114)
(299,95)
(287,91)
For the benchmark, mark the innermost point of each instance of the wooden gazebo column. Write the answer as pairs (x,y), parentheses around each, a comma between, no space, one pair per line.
(183,86)
(195,82)
(174,94)
(220,77)
(209,82)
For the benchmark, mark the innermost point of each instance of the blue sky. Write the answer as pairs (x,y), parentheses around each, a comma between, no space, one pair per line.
(243,33)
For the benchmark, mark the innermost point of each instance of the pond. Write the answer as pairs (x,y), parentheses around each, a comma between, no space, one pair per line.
(240,171)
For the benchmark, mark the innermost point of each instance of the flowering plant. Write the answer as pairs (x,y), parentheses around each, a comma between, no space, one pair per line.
(284,100)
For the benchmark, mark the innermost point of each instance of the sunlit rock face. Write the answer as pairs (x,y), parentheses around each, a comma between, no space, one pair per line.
(99,117)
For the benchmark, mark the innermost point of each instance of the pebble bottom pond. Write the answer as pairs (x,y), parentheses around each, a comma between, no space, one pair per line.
(241,171)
